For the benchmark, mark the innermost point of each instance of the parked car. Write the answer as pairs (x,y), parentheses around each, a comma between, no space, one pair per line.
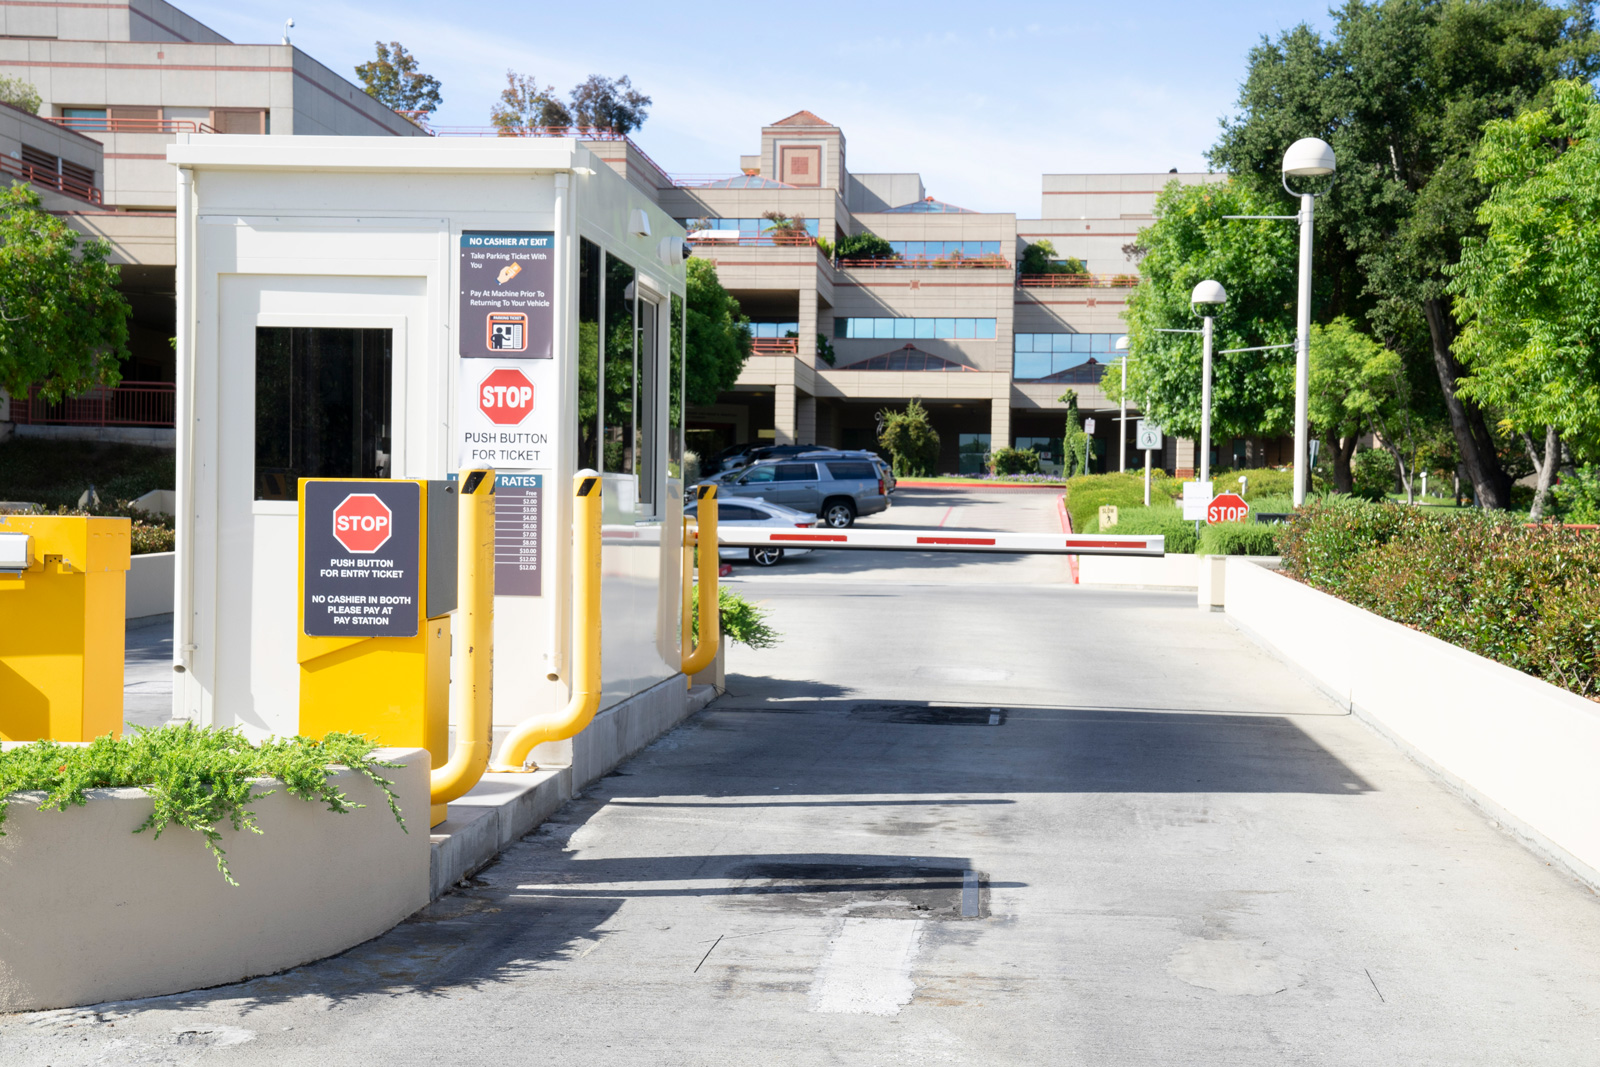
(835,486)
(737,456)
(885,471)
(754,511)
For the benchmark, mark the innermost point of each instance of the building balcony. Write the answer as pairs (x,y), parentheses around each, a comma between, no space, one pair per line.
(152,404)
(48,179)
(775,346)
(951,261)
(127,125)
(1077,281)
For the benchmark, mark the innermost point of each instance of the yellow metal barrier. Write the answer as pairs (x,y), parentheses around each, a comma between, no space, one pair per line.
(710,613)
(585,700)
(63,595)
(691,538)
(475,620)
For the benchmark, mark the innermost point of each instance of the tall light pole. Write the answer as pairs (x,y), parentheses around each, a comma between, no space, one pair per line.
(1122,416)
(1208,294)
(1309,157)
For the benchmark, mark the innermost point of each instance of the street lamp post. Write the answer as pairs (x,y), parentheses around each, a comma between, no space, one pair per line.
(1309,157)
(1208,294)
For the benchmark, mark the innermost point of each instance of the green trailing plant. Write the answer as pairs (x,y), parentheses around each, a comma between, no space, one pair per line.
(1014,461)
(741,621)
(1525,596)
(909,437)
(198,778)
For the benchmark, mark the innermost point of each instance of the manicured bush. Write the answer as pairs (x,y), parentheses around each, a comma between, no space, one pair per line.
(198,778)
(1236,539)
(1526,596)
(1577,496)
(909,437)
(1087,492)
(741,621)
(1259,481)
(1014,461)
(1372,475)
(1163,519)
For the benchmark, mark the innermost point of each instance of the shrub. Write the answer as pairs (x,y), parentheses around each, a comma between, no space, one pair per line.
(56,473)
(152,537)
(1259,482)
(909,437)
(865,246)
(1163,519)
(1237,539)
(198,778)
(1525,596)
(741,621)
(1577,496)
(1087,492)
(1372,475)
(1014,461)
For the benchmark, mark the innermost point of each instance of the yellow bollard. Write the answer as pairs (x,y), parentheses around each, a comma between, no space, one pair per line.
(691,537)
(63,597)
(585,700)
(475,616)
(710,612)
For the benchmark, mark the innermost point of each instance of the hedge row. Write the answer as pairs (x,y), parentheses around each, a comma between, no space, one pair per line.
(1528,597)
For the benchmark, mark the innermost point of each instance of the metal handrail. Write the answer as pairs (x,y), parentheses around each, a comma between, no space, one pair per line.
(774,346)
(952,261)
(49,179)
(125,404)
(780,238)
(1077,281)
(126,125)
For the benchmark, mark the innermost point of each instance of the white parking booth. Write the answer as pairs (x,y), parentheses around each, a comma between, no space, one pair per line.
(403,308)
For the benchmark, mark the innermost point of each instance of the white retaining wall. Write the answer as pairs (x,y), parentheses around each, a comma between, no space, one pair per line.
(1171,571)
(150,578)
(91,911)
(1520,748)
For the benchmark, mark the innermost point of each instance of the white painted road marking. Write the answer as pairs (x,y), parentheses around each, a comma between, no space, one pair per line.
(867,968)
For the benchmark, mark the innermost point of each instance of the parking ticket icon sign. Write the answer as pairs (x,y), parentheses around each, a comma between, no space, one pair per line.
(507,331)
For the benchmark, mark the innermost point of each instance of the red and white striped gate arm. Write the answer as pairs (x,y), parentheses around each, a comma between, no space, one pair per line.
(944,541)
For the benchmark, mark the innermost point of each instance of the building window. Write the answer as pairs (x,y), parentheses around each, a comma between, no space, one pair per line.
(945,249)
(973,452)
(774,329)
(323,399)
(749,231)
(894,329)
(589,302)
(240,120)
(85,119)
(1039,355)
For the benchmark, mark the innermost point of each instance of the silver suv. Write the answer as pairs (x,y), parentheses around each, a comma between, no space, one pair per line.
(840,487)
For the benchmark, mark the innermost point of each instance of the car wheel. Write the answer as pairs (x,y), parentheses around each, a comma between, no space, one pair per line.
(765,557)
(839,514)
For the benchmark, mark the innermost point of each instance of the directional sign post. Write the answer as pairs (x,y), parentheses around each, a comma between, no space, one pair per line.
(1227,507)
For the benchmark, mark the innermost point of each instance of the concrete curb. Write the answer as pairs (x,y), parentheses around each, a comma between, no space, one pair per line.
(503,808)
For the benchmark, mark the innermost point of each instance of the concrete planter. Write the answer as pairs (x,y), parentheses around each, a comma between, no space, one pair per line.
(93,912)
(150,583)
(1520,748)
(1169,572)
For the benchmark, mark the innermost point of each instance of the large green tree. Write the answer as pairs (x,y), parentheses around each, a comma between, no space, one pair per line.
(1358,387)
(1402,90)
(1191,241)
(392,77)
(1526,293)
(524,105)
(719,335)
(609,104)
(63,325)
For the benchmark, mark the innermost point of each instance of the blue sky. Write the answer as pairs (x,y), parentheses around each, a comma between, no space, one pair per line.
(979,98)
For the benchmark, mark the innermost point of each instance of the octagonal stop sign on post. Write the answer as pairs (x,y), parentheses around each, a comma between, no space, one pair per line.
(1227,507)
(505,396)
(362,523)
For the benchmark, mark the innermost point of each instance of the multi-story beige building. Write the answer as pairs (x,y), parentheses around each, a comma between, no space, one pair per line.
(119,82)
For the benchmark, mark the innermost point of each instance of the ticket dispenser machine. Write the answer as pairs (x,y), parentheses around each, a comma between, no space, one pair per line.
(63,583)
(377,584)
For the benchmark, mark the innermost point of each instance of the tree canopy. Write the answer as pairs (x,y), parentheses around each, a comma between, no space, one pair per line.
(392,78)
(18,93)
(1040,258)
(1190,241)
(63,325)
(1402,90)
(609,104)
(719,335)
(523,105)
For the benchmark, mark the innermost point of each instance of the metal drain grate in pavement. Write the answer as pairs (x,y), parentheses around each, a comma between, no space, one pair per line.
(929,715)
(864,891)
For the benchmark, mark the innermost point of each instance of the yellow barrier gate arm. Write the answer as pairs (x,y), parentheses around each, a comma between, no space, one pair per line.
(475,580)
(585,700)
(705,649)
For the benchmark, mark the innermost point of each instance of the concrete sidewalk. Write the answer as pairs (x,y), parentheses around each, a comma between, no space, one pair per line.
(952,822)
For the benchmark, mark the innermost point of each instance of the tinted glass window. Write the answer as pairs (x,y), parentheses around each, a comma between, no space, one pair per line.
(852,470)
(734,513)
(322,406)
(797,472)
(760,474)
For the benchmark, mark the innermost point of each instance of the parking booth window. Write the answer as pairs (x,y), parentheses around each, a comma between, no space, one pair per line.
(617,384)
(589,299)
(647,350)
(323,400)
(675,456)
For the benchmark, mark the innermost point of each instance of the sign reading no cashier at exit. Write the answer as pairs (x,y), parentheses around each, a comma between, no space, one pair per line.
(362,558)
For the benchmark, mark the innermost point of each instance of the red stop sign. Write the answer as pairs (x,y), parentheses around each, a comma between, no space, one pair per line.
(1227,507)
(362,523)
(505,396)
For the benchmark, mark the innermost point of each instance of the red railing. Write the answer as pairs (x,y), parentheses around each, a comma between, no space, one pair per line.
(775,346)
(953,261)
(127,404)
(115,125)
(1077,281)
(49,179)
(785,238)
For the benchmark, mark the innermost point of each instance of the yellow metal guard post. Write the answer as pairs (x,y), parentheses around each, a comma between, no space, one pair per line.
(585,700)
(63,596)
(691,537)
(475,621)
(705,649)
